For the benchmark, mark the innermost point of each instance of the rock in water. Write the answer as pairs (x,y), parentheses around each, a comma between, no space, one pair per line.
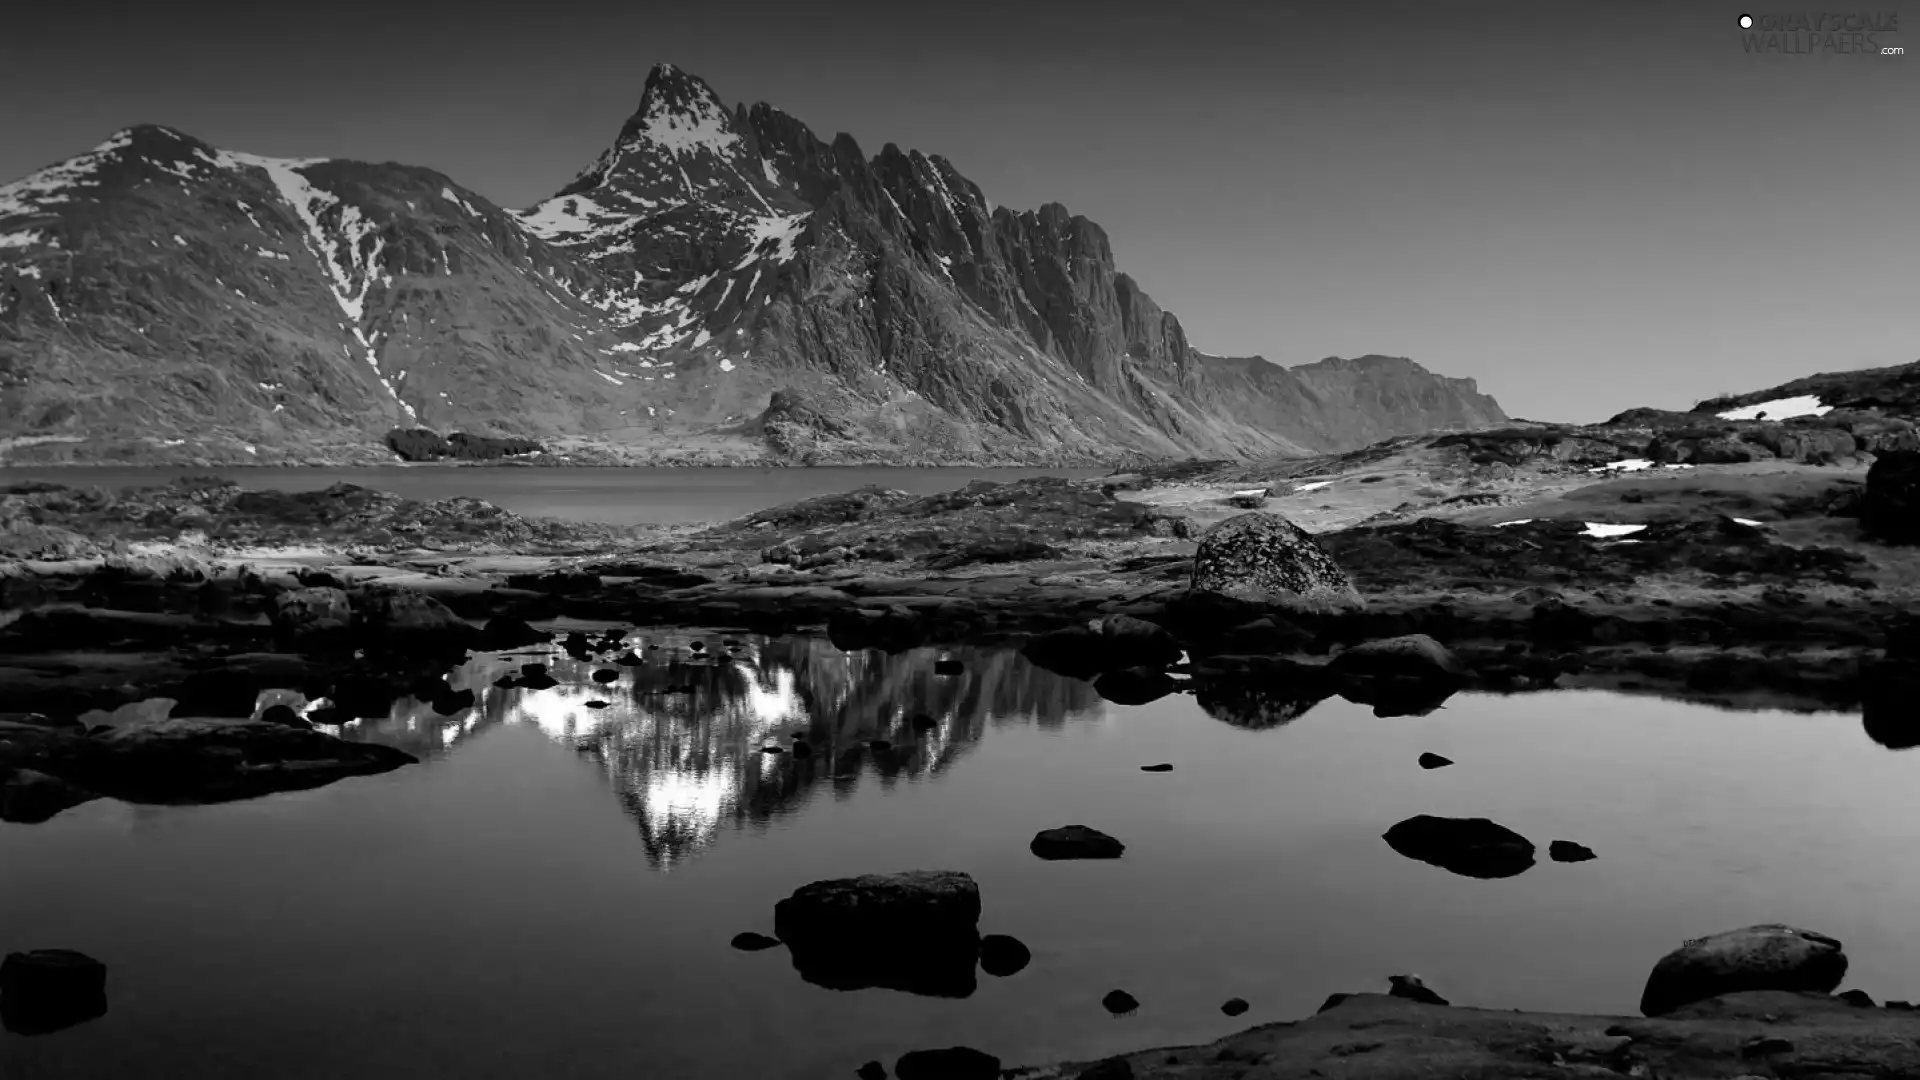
(1568,851)
(751,942)
(453,701)
(1114,643)
(1075,842)
(1134,686)
(1470,847)
(1890,508)
(505,632)
(1413,988)
(1409,656)
(953,1063)
(1162,767)
(1265,559)
(916,931)
(1119,1002)
(1235,1006)
(1001,956)
(948,667)
(1769,956)
(28,797)
(1434,761)
(50,989)
(872,1070)
(1113,1068)
(406,620)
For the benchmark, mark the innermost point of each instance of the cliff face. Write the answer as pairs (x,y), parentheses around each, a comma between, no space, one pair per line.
(717,281)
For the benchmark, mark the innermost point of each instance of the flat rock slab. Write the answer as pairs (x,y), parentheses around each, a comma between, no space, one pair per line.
(1378,1037)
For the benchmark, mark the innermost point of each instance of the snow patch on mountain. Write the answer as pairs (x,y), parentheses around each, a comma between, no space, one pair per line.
(49,186)
(1779,409)
(27,238)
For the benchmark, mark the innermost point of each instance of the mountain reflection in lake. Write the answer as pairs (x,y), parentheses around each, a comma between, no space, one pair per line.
(682,736)
(500,910)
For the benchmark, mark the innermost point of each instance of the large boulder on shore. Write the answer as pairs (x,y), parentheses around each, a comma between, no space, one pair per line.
(1769,956)
(407,620)
(1470,847)
(312,618)
(1890,508)
(1409,675)
(916,931)
(1265,559)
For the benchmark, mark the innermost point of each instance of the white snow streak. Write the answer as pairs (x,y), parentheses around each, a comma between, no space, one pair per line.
(1779,409)
(1602,529)
(1629,465)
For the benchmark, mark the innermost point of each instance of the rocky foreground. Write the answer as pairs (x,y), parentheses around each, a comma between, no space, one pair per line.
(1415,580)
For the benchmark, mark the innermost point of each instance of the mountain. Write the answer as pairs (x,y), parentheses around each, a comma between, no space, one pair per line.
(717,285)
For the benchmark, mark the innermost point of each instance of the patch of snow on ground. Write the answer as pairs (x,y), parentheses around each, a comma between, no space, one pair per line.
(177,240)
(562,217)
(1602,529)
(447,193)
(1517,521)
(1249,493)
(726,365)
(26,194)
(1676,466)
(30,271)
(702,125)
(1315,486)
(19,239)
(1629,465)
(1779,409)
(624,346)
(701,339)
(608,377)
(1746,521)
(778,233)
(271,254)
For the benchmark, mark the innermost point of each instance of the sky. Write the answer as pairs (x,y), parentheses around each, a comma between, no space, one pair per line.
(1586,206)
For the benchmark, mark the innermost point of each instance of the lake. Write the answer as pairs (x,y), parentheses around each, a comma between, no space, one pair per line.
(553,890)
(617,496)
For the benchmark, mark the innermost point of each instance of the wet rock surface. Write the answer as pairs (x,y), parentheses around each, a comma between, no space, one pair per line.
(1076,842)
(1768,956)
(49,990)
(916,931)
(1470,847)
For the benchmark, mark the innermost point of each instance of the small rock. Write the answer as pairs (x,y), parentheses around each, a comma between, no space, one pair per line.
(948,667)
(802,750)
(1470,847)
(1568,851)
(1075,842)
(752,942)
(872,1070)
(773,749)
(879,746)
(506,682)
(1001,956)
(953,1063)
(1332,1000)
(1434,761)
(1119,1002)
(697,646)
(606,675)
(1162,767)
(1235,1006)
(503,632)
(1900,1006)
(1859,999)
(533,669)
(1135,685)
(1413,989)
(597,704)
(541,681)
(29,797)
(922,722)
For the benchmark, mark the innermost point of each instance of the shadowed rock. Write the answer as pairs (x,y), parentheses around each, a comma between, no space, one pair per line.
(752,942)
(1890,507)
(1001,956)
(1413,988)
(1470,847)
(948,667)
(1163,767)
(952,1063)
(1434,761)
(1113,1068)
(312,618)
(916,932)
(1134,686)
(1859,999)
(452,701)
(1568,851)
(1113,643)
(1768,956)
(1075,842)
(48,990)
(28,797)
(1265,559)
(1119,1002)
(1235,1006)
(506,632)
(872,1070)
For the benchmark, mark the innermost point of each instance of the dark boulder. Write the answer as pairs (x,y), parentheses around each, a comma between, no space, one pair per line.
(1568,851)
(1163,767)
(891,630)
(1075,842)
(1134,686)
(1769,956)
(1113,1068)
(312,618)
(1470,847)
(1890,507)
(187,760)
(606,675)
(1113,643)
(505,632)
(1434,761)
(948,667)
(1859,999)
(952,1063)
(872,1070)
(408,621)
(1235,1006)
(1001,956)
(284,715)
(48,990)
(916,931)
(751,942)
(451,701)
(1265,559)
(1412,988)
(1119,1002)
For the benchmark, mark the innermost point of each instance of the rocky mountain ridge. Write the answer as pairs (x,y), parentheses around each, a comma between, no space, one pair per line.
(720,285)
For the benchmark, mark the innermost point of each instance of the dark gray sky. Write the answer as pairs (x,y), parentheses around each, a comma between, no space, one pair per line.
(1586,206)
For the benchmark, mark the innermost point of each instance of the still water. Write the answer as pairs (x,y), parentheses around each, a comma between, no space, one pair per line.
(553,890)
(611,495)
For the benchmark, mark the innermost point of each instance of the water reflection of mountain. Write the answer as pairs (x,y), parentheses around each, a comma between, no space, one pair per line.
(682,732)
